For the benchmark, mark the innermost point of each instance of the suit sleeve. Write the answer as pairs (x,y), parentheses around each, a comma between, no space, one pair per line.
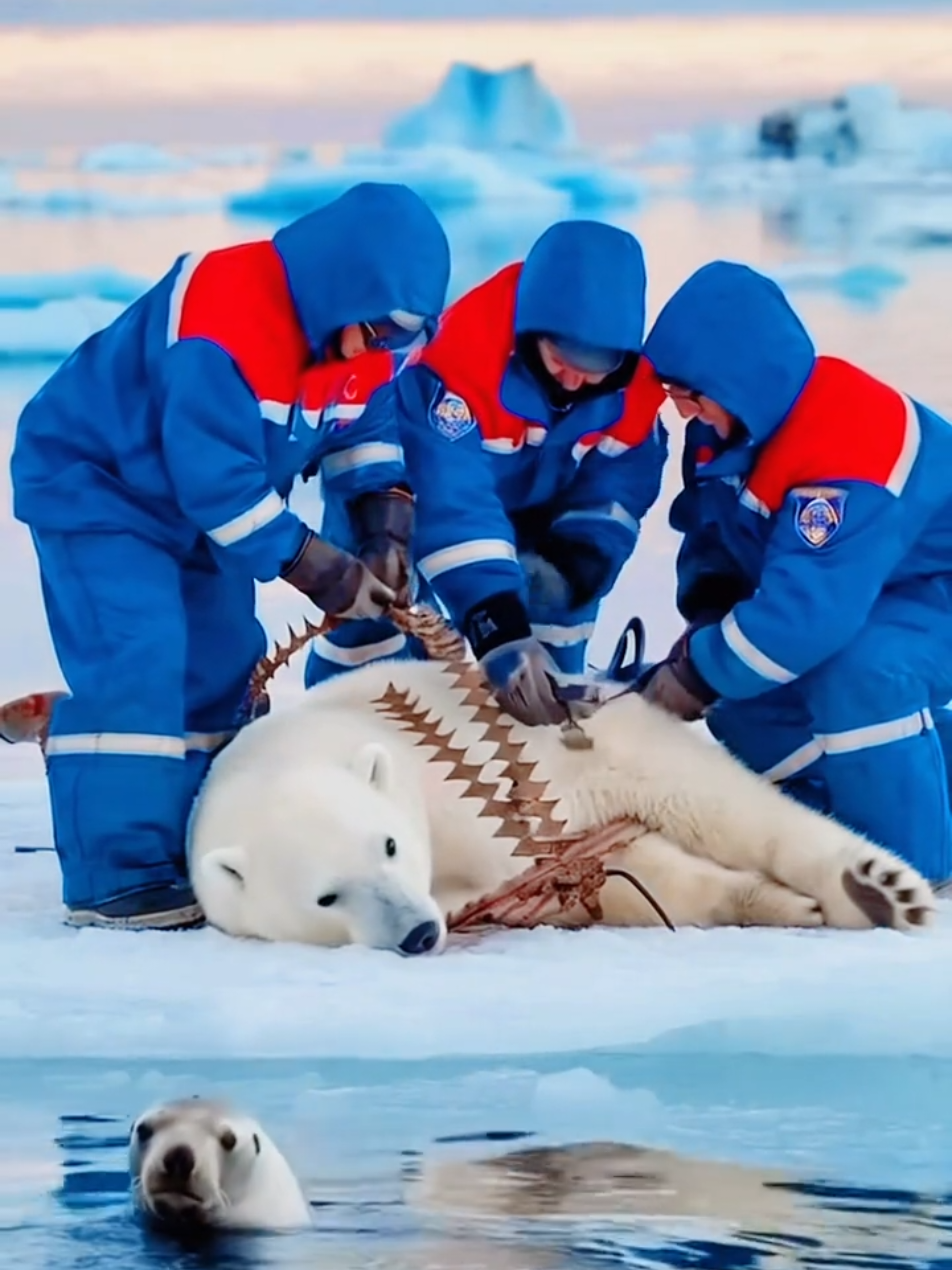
(214,448)
(603,508)
(464,541)
(362,451)
(812,600)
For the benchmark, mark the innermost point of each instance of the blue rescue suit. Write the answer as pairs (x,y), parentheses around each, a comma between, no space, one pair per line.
(505,469)
(816,564)
(153,469)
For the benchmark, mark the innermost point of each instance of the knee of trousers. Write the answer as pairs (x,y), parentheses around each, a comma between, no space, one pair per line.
(356,644)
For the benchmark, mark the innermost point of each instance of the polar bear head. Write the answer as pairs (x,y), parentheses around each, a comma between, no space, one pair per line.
(314,851)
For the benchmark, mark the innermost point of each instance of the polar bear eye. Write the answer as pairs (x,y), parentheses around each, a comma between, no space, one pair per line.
(390,846)
(328,900)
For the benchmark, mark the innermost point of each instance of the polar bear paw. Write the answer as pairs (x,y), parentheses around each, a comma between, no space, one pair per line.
(767,903)
(888,892)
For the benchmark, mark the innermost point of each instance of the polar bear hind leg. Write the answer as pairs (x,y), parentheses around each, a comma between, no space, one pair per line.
(705,800)
(696,892)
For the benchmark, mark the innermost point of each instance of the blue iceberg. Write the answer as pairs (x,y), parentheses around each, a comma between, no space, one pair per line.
(476,109)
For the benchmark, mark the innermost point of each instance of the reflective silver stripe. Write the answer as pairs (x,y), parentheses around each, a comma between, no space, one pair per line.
(612,447)
(798,761)
(275,411)
(207,742)
(910,449)
(361,456)
(255,518)
(132,743)
(614,512)
(564,636)
(849,742)
(503,445)
(876,734)
(748,499)
(177,298)
(751,655)
(323,647)
(536,435)
(478,551)
(343,412)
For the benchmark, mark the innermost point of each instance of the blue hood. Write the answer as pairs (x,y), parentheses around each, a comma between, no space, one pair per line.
(584,281)
(729,333)
(374,249)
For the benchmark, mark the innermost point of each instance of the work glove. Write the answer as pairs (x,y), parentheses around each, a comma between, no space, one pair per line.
(563,574)
(520,673)
(383,527)
(336,581)
(548,590)
(675,684)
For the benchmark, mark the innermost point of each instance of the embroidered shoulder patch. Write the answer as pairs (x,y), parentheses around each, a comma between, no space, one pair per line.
(452,417)
(818,513)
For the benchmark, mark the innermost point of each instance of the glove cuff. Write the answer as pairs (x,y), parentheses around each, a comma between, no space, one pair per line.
(500,619)
(383,514)
(585,568)
(693,681)
(711,598)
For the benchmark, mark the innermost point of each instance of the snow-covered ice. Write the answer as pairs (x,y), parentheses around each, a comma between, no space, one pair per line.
(201,994)
(28,290)
(50,331)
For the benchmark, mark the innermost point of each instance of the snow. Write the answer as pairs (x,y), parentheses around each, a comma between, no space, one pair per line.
(100,994)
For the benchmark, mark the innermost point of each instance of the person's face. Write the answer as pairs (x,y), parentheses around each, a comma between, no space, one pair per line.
(694,405)
(360,337)
(567,376)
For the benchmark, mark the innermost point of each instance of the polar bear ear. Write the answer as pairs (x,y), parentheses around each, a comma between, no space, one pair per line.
(227,863)
(374,766)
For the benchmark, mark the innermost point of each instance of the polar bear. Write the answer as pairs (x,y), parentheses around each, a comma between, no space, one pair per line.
(344,819)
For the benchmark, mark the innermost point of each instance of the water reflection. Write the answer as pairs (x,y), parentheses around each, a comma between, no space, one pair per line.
(492,1201)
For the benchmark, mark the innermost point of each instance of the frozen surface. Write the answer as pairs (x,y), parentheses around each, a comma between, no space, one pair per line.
(101,994)
(50,331)
(28,290)
(132,158)
(89,201)
(478,109)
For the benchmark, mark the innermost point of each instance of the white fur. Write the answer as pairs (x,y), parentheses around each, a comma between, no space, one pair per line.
(723,847)
(240,1180)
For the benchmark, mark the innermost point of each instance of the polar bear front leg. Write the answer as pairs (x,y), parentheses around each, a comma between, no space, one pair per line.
(696,892)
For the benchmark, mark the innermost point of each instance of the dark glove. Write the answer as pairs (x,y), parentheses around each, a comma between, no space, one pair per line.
(383,526)
(584,569)
(520,672)
(676,685)
(336,581)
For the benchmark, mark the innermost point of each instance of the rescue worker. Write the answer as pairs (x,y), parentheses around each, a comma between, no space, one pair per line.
(153,470)
(815,571)
(533,446)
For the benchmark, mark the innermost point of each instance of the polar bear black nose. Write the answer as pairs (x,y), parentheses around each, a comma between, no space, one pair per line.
(178,1163)
(422,939)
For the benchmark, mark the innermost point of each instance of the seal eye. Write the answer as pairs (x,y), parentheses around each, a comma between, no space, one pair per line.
(390,846)
(143,1133)
(328,900)
(257,1141)
(228,1140)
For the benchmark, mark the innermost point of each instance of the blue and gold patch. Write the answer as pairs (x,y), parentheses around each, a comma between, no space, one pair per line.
(452,417)
(818,513)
